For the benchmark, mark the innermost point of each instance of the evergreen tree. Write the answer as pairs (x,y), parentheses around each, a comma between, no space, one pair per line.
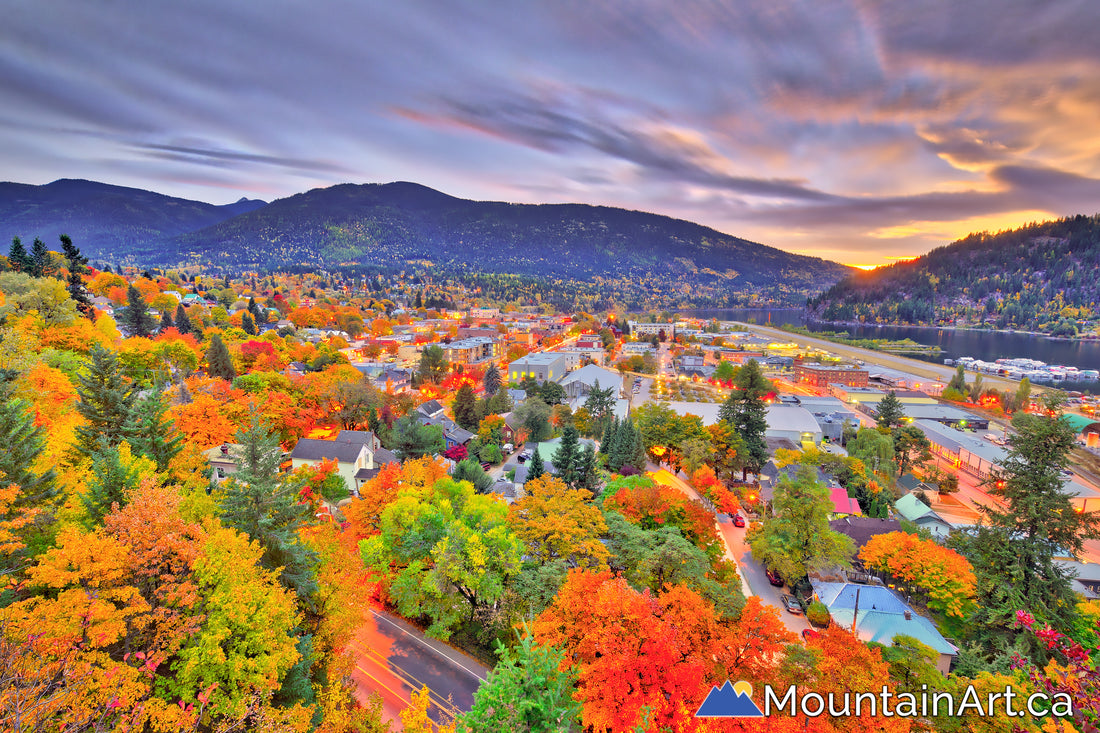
(565,458)
(183,323)
(621,452)
(23,443)
(608,438)
(110,483)
(247,324)
(166,321)
(135,316)
(470,470)
(601,406)
(254,311)
(218,361)
(77,264)
(535,466)
(890,411)
(746,413)
(151,432)
(265,508)
(585,469)
(491,381)
(637,456)
(41,262)
(465,408)
(18,258)
(106,401)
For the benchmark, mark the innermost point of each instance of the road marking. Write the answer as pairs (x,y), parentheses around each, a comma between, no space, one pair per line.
(426,645)
(445,707)
(408,677)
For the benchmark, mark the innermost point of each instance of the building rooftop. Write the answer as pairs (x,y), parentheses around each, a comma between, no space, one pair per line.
(788,418)
(541,357)
(882,614)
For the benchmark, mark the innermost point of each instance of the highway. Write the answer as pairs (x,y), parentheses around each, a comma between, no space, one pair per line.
(394,659)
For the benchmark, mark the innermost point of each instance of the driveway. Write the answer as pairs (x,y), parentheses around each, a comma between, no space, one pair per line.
(394,659)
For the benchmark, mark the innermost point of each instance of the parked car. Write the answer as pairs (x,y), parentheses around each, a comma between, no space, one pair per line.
(792,604)
(808,634)
(508,448)
(773,578)
(485,465)
(738,520)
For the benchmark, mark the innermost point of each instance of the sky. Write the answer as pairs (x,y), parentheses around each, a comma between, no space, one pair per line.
(860,132)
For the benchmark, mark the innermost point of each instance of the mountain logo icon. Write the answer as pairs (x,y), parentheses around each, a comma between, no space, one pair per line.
(729,701)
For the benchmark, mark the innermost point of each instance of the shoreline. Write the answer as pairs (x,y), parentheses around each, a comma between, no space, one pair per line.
(1040,334)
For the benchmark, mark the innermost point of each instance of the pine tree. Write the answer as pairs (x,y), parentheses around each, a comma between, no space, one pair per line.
(890,411)
(247,324)
(106,401)
(585,469)
(166,321)
(465,407)
(609,436)
(259,504)
(77,264)
(41,262)
(183,323)
(152,434)
(18,258)
(536,468)
(622,446)
(565,457)
(747,414)
(491,381)
(23,443)
(638,458)
(111,483)
(218,361)
(135,316)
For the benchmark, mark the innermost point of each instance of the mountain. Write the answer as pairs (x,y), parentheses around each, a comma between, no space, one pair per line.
(1042,277)
(104,220)
(400,224)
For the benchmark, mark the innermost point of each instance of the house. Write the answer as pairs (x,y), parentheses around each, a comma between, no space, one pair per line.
(223,459)
(916,511)
(843,505)
(431,413)
(876,613)
(511,428)
(861,529)
(517,396)
(359,455)
(771,475)
(394,381)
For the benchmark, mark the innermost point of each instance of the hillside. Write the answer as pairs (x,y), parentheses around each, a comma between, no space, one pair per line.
(1042,277)
(396,225)
(106,220)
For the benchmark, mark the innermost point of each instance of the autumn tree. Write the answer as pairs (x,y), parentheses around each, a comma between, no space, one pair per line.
(556,522)
(218,361)
(106,401)
(942,574)
(796,538)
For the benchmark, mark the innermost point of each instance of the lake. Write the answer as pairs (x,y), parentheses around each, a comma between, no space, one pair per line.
(984,345)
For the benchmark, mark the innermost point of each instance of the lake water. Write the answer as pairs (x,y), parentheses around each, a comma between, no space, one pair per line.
(984,345)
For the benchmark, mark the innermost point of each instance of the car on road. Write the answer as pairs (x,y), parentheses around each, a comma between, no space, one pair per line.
(808,634)
(738,520)
(792,604)
(774,578)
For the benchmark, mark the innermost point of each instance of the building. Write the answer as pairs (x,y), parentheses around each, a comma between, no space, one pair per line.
(431,413)
(861,529)
(465,332)
(843,505)
(540,366)
(878,614)
(473,350)
(359,455)
(579,383)
(223,459)
(652,329)
(793,423)
(822,375)
(916,511)
(637,347)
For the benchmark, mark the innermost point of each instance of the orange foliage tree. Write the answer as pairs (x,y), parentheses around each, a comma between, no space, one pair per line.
(944,575)
(651,505)
(706,483)
(555,522)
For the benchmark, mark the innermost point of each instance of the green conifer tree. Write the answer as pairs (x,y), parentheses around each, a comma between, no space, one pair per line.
(41,261)
(535,465)
(135,316)
(491,381)
(152,433)
(110,483)
(166,321)
(608,436)
(18,258)
(183,323)
(106,401)
(23,443)
(218,361)
(247,324)
(77,264)
(565,458)
(585,469)
(465,407)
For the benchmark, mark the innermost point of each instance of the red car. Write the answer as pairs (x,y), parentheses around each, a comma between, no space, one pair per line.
(738,520)
(808,634)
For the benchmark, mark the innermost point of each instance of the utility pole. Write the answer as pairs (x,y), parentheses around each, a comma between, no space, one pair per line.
(855,614)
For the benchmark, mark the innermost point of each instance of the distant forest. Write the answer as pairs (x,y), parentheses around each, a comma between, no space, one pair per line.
(1042,277)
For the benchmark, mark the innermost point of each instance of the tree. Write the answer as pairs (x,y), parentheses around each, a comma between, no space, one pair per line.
(183,322)
(151,432)
(529,690)
(958,381)
(166,321)
(1023,395)
(552,393)
(601,406)
(106,401)
(556,522)
(797,538)
(267,509)
(534,415)
(535,467)
(491,381)
(218,361)
(433,364)
(18,258)
(942,574)
(353,401)
(135,316)
(911,447)
(248,325)
(412,440)
(565,458)
(585,469)
(41,262)
(1022,539)
(890,411)
(77,264)
(746,413)
(470,470)
(115,476)
(465,407)
(725,371)
(875,449)
(23,442)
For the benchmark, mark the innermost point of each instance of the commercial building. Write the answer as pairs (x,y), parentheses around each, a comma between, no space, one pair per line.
(652,329)
(793,423)
(474,350)
(822,375)
(541,366)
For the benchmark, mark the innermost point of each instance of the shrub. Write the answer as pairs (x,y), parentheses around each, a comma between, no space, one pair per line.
(818,614)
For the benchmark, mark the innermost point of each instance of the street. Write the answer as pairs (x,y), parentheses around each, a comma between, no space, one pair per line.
(395,659)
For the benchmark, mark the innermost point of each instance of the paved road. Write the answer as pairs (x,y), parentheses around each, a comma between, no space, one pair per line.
(395,659)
